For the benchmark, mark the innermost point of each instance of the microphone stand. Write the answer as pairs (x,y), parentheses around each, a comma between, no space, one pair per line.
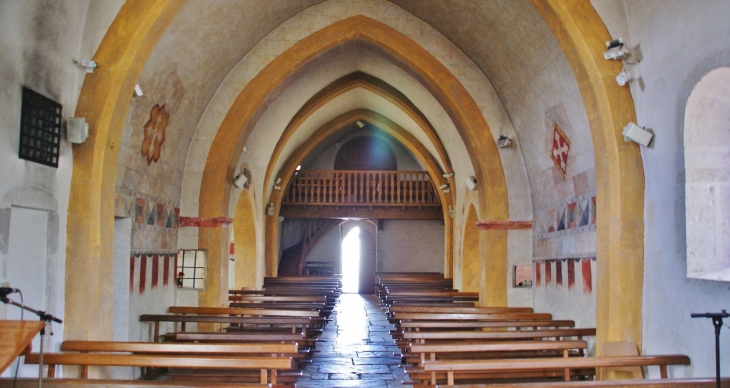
(717,322)
(45,317)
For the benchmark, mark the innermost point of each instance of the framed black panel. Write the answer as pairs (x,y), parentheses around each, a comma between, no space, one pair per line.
(40,129)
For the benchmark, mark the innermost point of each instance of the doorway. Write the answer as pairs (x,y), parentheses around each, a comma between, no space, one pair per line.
(358,256)
(351,261)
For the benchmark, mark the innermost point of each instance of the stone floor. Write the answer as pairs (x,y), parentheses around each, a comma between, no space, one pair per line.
(359,350)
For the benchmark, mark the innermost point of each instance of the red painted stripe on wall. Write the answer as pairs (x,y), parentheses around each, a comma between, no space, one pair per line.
(587,278)
(142,273)
(166,271)
(155,270)
(205,222)
(559,273)
(548,273)
(537,273)
(571,273)
(131,273)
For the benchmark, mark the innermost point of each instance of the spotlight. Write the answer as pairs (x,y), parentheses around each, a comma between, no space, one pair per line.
(616,50)
(504,141)
(88,65)
(137,91)
(448,174)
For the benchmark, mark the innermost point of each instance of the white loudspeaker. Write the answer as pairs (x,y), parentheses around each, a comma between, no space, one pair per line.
(471,183)
(240,180)
(77,130)
(635,133)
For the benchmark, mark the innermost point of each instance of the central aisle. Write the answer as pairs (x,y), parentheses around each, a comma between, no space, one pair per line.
(359,349)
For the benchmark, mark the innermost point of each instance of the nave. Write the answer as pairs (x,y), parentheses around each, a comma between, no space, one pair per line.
(359,351)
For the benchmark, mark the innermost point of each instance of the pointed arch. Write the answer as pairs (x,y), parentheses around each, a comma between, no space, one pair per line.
(389,127)
(251,103)
(619,170)
(104,100)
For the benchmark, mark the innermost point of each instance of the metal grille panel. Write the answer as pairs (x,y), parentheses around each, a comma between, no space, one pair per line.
(40,129)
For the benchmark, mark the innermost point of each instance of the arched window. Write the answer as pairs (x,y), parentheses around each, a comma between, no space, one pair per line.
(707,177)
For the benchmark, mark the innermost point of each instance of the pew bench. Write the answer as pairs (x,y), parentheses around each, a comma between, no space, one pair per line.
(419,353)
(85,360)
(296,324)
(563,365)
(400,317)
(104,383)
(407,326)
(393,309)
(652,383)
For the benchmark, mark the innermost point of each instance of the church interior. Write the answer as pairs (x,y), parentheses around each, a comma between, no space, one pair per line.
(569,157)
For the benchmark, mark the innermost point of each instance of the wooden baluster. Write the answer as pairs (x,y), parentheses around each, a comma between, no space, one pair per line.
(351,191)
(410,189)
(400,189)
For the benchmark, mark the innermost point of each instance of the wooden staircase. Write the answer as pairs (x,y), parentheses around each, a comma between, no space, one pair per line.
(294,259)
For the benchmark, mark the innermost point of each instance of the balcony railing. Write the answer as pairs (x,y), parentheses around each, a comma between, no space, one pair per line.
(361,188)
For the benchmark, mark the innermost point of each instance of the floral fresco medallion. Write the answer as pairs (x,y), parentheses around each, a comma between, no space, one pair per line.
(560,149)
(154,133)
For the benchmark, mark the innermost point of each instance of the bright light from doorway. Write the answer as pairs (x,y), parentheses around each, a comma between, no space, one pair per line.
(351,261)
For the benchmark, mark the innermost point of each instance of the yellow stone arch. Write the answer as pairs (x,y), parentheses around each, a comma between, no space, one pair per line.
(619,170)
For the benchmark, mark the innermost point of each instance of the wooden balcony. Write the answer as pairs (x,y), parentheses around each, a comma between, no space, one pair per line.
(362,194)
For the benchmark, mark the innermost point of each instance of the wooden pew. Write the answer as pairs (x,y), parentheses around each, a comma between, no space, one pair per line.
(495,349)
(278,305)
(653,383)
(276,299)
(406,326)
(454,309)
(190,349)
(564,365)
(263,364)
(469,317)
(422,336)
(202,337)
(242,312)
(104,383)
(296,324)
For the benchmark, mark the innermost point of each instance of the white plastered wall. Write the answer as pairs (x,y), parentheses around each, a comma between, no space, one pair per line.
(40,41)
(680,42)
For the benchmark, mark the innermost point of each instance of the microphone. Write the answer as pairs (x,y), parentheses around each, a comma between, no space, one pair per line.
(5,291)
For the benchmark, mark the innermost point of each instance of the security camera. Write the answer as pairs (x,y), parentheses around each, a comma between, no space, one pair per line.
(616,50)
(89,65)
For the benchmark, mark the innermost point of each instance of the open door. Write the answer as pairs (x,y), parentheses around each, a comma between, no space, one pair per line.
(367,263)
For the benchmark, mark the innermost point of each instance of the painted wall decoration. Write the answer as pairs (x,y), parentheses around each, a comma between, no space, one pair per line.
(560,149)
(141,278)
(154,133)
(557,272)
